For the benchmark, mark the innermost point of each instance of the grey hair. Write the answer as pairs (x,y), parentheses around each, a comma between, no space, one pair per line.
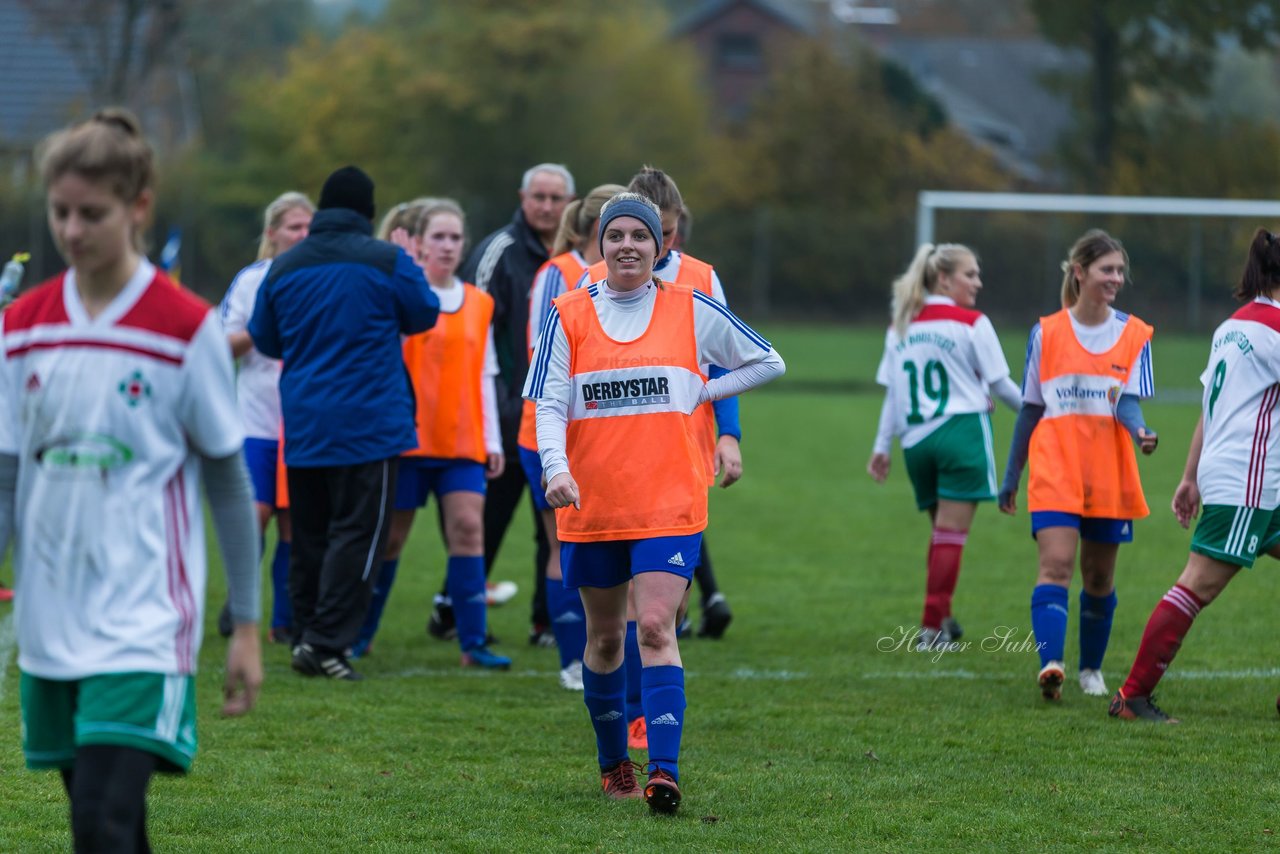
(558,169)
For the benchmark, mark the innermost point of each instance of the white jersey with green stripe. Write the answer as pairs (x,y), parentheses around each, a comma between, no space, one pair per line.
(1239,461)
(943,365)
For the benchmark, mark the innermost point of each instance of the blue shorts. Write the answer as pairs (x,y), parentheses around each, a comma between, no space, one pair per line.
(1093,530)
(613,562)
(421,476)
(532,465)
(261,455)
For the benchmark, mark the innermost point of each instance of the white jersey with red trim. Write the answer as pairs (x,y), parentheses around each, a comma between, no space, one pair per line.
(943,365)
(258,380)
(1239,461)
(108,416)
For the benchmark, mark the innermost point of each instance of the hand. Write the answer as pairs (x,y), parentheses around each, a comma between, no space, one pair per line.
(1008,502)
(562,491)
(1147,441)
(400,237)
(244,671)
(728,461)
(494,465)
(1186,502)
(878,467)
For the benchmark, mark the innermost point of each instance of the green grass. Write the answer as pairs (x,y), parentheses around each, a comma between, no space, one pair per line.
(802,735)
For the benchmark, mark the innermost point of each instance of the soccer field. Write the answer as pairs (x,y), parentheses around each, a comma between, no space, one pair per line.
(806,729)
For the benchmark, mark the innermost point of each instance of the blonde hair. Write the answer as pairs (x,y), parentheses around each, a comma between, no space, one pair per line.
(578,216)
(404,215)
(432,207)
(108,147)
(274,215)
(921,277)
(1091,246)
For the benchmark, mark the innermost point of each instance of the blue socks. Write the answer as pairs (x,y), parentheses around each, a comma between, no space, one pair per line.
(377,603)
(465,582)
(602,692)
(1049,621)
(1095,628)
(568,621)
(631,664)
(281,605)
(663,696)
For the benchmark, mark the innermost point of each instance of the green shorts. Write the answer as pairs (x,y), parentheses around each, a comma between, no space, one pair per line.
(1235,534)
(148,711)
(956,462)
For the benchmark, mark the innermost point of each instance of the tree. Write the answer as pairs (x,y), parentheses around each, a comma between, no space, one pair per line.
(1160,49)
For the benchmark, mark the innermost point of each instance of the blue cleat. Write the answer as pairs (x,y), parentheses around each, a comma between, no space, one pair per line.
(482,657)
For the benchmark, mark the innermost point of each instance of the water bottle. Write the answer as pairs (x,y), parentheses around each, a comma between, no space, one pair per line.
(11,278)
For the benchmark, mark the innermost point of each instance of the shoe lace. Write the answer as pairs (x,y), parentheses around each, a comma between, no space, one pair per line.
(1156,710)
(621,776)
(649,769)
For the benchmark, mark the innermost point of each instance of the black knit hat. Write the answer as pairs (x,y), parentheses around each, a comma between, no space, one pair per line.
(348,187)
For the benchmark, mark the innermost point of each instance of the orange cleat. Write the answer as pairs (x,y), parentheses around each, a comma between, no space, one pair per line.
(661,792)
(638,735)
(619,782)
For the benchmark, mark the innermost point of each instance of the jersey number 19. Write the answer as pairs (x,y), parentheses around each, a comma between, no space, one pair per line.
(934,384)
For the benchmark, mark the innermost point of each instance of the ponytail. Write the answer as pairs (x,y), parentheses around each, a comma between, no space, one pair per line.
(921,279)
(1262,271)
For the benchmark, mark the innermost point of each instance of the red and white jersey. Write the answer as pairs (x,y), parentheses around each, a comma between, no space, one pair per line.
(942,366)
(1239,462)
(258,380)
(107,417)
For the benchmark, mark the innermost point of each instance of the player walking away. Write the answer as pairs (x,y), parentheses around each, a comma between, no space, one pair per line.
(576,248)
(285,223)
(1087,367)
(1233,467)
(118,400)
(333,308)
(941,361)
(452,367)
(626,472)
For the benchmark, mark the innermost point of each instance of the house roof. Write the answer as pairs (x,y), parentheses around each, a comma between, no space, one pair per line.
(993,90)
(43,89)
(798,15)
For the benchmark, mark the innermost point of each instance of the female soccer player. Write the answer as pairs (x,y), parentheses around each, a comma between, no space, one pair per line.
(452,367)
(576,248)
(941,361)
(616,378)
(285,223)
(1233,467)
(1087,367)
(118,399)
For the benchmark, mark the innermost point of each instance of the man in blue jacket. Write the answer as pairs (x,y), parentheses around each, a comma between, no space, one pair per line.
(333,309)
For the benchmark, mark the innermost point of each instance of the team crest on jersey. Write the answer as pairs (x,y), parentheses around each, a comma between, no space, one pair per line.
(1113,396)
(33,383)
(135,389)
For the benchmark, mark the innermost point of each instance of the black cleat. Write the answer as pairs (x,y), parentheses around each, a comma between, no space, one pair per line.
(309,662)
(661,792)
(953,628)
(716,617)
(1139,709)
(441,624)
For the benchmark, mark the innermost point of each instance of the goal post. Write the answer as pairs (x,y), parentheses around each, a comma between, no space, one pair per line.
(929,202)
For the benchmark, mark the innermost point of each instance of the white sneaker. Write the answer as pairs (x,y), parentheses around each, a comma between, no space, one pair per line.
(1091,682)
(571,677)
(499,592)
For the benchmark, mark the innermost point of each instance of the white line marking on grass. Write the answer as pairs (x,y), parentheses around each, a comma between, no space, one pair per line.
(742,674)
(968,675)
(8,640)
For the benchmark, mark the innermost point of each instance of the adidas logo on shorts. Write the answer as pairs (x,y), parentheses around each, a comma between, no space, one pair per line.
(676,559)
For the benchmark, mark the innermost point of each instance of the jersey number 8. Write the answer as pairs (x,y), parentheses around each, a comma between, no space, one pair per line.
(935,388)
